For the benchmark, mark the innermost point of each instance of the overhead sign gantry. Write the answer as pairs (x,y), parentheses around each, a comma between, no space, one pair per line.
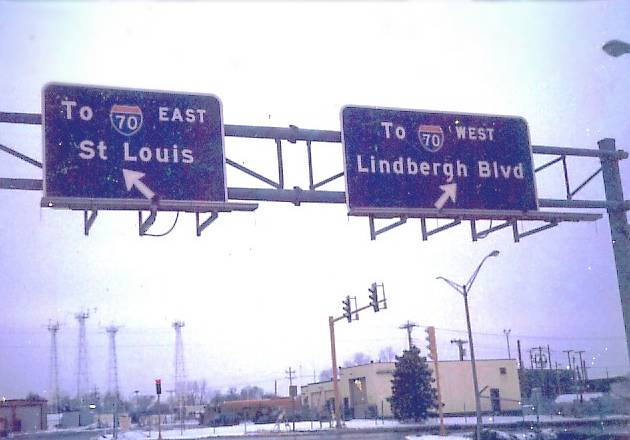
(474,203)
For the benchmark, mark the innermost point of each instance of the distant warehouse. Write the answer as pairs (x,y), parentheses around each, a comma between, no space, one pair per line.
(22,415)
(364,389)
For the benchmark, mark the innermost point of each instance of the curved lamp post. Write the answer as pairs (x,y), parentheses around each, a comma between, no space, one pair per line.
(616,48)
(464,289)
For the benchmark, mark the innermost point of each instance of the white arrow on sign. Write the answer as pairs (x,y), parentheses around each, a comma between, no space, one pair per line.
(132,178)
(450,192)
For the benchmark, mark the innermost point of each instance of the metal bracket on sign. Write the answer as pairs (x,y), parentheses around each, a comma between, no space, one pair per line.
(518,235)
(374,232)
(483,234)
(144,225)
(88,220)
(426,233)
(201,226)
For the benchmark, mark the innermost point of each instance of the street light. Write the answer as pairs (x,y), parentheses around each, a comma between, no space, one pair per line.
(464,289)
(616,48)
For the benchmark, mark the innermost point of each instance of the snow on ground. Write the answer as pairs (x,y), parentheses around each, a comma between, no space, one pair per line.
(190,433)
(435,437)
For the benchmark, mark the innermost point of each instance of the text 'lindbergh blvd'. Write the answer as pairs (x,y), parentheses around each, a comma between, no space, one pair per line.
(408,166)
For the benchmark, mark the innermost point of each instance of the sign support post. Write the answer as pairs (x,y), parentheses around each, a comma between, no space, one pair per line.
(619,229)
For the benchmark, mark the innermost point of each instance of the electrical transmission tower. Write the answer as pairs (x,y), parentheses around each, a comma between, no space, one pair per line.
(53,328)
(83,383)
(180,369)
(112,377)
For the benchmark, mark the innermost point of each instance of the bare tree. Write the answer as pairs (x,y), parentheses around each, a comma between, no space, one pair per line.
(358,359)
(325,375)
(252,393)
(361,358)
(387,354)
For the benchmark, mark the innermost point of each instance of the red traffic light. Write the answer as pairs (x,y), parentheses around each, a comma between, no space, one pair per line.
(158,386)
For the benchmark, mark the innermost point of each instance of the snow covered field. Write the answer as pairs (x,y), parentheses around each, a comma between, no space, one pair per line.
(249,428)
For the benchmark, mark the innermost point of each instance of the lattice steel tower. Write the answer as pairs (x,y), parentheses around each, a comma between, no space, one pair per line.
(83,383)
(112,372)
(53,328)
(180,369)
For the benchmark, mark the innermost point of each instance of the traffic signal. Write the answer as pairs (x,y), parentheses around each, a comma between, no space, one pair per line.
(374,297)
(347,311)
(432,346)
(158,386)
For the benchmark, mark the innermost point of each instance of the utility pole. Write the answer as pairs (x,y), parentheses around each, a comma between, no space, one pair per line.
(507,339)
(409,327)
(568,352)
(579,379)
(541,360)
(53,328)
(460,346)
(579,352)
(584,368)
(557,380)
(549,356)
(520,358)
(433,355)
(290,372)
(583,376)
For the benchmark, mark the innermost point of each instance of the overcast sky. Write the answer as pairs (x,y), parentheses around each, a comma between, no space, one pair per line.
(256,289)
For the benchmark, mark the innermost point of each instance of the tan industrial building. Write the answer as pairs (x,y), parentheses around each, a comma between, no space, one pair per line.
(22,416)
(364,389)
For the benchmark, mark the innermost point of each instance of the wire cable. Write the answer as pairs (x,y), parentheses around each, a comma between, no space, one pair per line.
(167,232)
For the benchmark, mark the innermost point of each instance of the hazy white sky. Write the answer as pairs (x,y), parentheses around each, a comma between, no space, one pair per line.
(256,289)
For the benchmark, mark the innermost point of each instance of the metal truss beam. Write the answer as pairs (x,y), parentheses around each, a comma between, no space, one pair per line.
(277,193)
(20,156)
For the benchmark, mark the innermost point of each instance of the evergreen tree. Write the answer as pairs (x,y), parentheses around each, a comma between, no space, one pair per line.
(412,393)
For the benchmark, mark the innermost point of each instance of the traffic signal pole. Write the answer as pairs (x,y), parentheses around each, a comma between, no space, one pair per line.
(333,353)
(158,391)
(375,303)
